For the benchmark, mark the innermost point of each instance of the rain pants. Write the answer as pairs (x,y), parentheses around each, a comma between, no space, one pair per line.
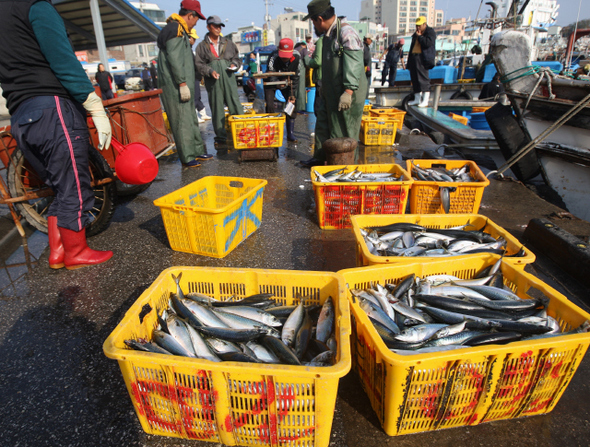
(224,90)
(342,64)
(175,66)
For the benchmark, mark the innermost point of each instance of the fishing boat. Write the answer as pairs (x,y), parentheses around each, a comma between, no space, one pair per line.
(555,110)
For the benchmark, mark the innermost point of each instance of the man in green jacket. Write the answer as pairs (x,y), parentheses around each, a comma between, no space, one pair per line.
(315,62)
(176,78)
(343,98)
(217,59)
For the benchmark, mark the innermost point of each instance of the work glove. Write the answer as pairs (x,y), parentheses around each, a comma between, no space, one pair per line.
(93,105)
(185,93)
(345,101)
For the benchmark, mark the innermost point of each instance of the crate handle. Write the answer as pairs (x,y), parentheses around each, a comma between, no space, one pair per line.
(236,184)
(182,208)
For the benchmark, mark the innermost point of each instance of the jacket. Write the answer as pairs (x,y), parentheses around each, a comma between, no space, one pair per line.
(204,56)
(427,42)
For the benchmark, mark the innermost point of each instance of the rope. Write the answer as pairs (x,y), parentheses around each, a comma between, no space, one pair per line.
(525,150)
(123,127)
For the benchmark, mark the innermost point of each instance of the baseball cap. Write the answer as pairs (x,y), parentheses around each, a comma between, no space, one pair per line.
(192,5)
(401,41)
(214,20)
(193,33)
(587,68)
(286,47)
(369,36)
(421,20)
(316,7)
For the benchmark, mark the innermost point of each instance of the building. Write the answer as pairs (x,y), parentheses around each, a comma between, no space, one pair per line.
(291,25)
(400,15)
(247,38)
(143,53)
(454,30)
(379,32)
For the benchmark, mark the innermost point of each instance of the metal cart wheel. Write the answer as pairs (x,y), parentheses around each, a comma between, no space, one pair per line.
(22,179)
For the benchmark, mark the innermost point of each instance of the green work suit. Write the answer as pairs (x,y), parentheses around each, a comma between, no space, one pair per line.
(175,66)
(301,103)
(221,91)
(342,68)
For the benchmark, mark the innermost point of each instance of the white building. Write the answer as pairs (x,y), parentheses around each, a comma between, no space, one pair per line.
(144,52)
(291,24)
(400,15)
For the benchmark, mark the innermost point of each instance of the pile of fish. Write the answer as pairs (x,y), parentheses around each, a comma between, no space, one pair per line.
(255,329)
(409,239)
(441,174)
(355,176)
(443,312)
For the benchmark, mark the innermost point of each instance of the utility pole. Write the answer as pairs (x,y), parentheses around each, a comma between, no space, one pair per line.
(267,3)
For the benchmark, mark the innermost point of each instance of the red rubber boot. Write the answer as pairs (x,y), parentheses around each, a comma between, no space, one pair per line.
(56,248)
(77,252)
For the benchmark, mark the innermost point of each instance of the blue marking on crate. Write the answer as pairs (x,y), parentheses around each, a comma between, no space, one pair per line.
(180,202)
(242,213)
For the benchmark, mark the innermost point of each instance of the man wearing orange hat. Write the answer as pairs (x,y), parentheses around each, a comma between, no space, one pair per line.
(284,59)
(176,78)
(420,60)
(393,55)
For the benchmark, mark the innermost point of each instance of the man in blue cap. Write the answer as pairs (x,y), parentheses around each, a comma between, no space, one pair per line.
(343,97)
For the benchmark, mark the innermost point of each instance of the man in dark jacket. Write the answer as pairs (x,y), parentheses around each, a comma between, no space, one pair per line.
(154,74)
(367,41)
(146,77)
(105,81)
(491,89)
(48,96)
(420,60)
(284,59)
(393,55)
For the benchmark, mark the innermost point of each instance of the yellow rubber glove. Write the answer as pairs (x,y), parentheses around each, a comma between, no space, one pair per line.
(93,105)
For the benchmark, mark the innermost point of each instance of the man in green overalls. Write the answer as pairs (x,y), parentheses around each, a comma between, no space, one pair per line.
(343,97)
(176,78)
(217,59)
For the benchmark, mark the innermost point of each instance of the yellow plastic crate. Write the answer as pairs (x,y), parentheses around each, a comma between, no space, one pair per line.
(337,201)
(431,391)
(378,131)
(232,403)
(213,215)
(466,199)
(254,131)
(479,222)
(479,109)
(389,113)
(459,118)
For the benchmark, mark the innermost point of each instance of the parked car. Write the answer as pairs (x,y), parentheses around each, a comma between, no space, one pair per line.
(133,80)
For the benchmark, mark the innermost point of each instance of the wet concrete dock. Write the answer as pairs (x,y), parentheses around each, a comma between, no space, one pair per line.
(58,388)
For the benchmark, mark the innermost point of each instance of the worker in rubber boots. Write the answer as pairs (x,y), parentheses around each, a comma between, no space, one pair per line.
(176,78)
(49,95)
(284,60)
(217,59)
(343,96)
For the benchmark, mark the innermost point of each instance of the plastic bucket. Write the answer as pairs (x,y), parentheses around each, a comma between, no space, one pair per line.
(310,99)
(135,164)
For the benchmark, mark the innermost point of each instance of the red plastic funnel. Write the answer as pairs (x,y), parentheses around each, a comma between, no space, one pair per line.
(135,164)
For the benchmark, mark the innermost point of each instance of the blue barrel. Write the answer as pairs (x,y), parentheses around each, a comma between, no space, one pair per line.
(310,99)
(478,121)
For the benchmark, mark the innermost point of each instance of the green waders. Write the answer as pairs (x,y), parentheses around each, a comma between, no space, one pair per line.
(175,66)
(340,70)
(222,91)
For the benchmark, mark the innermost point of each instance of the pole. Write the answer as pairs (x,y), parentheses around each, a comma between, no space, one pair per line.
(98,32)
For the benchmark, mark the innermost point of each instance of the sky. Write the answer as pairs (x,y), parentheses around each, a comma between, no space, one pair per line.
(240,13)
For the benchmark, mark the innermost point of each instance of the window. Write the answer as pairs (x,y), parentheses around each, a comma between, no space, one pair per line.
(423,3)
(423,9)
(413,8)
(403,14)
(403,8)
(140,49)
(413,3)
(412,14)
(152,50)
